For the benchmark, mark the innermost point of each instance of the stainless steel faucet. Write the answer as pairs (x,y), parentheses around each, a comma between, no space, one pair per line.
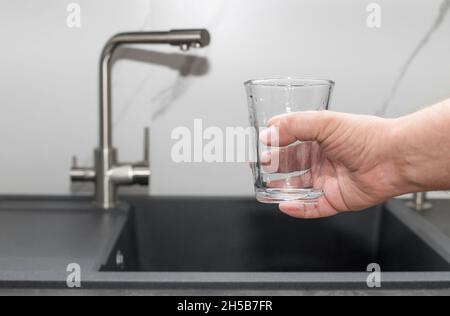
(108,174)
(420,203)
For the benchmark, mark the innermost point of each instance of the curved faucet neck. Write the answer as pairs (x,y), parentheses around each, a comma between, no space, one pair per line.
(182,38)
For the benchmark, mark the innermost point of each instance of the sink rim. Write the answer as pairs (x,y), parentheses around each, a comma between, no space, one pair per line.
(244,280)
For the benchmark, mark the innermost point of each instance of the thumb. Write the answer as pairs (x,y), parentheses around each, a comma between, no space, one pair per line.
(301,126)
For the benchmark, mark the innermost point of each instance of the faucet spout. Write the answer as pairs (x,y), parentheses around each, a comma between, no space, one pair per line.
(185,39)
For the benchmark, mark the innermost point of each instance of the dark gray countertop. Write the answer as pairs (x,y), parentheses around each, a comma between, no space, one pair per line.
(39,237)
(45,235)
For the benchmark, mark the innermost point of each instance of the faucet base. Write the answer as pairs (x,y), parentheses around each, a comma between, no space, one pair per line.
(105,188)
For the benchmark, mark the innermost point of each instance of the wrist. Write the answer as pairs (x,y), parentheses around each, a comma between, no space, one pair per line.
(421,149)
(405,156)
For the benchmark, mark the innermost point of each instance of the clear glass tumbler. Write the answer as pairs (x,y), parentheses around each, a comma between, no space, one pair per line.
(293,172)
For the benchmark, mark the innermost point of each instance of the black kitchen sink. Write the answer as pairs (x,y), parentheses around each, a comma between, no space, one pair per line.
(241,235)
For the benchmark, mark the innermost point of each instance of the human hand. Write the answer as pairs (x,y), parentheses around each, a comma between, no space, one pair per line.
(360,169)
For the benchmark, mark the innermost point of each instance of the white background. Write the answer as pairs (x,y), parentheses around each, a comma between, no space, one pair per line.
(49,77)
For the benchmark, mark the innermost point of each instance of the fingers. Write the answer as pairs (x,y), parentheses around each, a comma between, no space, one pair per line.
(287,159)
(277,136)
(304,126)
(284,130)
(308,210)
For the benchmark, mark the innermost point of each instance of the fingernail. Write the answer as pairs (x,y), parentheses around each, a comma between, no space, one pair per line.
(270,136)
(266,158)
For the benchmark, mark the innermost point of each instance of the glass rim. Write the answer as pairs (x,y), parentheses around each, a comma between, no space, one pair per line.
(290,82)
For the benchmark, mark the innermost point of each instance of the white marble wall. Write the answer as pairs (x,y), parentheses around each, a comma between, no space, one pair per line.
(48,77)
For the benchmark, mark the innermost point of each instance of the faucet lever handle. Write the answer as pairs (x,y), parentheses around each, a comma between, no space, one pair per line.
(78,174)
(74,162)
(146,146)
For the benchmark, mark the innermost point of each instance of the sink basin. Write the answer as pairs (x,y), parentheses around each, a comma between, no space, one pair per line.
(240,235)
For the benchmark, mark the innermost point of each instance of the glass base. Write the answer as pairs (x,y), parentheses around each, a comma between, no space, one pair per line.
(276,196)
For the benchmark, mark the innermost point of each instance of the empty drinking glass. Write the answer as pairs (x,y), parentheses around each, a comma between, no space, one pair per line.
(292,172)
